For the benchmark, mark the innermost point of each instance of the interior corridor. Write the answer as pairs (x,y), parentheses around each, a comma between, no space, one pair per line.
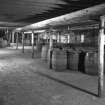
(27,81)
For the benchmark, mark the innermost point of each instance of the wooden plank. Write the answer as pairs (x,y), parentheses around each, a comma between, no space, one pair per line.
(101,59)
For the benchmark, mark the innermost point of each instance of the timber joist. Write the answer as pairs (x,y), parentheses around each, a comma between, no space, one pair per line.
(85,16)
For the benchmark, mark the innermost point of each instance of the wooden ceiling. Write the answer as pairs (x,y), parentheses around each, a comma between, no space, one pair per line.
(24,12)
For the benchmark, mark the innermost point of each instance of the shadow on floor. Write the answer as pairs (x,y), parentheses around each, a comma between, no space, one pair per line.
(65,83)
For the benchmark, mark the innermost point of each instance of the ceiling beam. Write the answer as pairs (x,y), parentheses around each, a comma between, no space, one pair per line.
(92,11)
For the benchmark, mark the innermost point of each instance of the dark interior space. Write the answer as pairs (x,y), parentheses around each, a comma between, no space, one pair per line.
(81,63)
(52,52)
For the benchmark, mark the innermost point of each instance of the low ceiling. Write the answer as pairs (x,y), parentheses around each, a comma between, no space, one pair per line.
(16,13)
(88,17)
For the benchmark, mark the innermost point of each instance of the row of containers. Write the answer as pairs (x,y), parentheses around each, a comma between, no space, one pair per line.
(3,43)
(61,60)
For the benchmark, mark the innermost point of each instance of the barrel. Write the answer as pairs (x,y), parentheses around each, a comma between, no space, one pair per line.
(0,43)
(59,60)
(44,53)
(91,63)
(72,60)
(38,50)
(39,47)
(4,43)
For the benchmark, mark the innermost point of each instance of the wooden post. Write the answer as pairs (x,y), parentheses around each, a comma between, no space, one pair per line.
(37,40)
(32,41)
(17,40)
(51,41)
(38,50)
(6,34)
(101,59)
(82,38)
(22,42)
(56,37)
(9,41)
(50,50)
(47,38)
(12,37)
(59,38)
(68,37)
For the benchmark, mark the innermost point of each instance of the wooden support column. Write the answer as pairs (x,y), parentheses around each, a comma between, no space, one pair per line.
(59,38)
(51,50)
(32,42)
(82,38)
(17,40)
(37,40)
(51,41)
(101,59)
(38,51)
(68,37)
(56,37)
(9,41)
(47,39)
(12,37)
(7,35)
(22,42)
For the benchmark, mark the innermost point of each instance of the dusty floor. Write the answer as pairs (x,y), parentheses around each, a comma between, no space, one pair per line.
(27,81)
